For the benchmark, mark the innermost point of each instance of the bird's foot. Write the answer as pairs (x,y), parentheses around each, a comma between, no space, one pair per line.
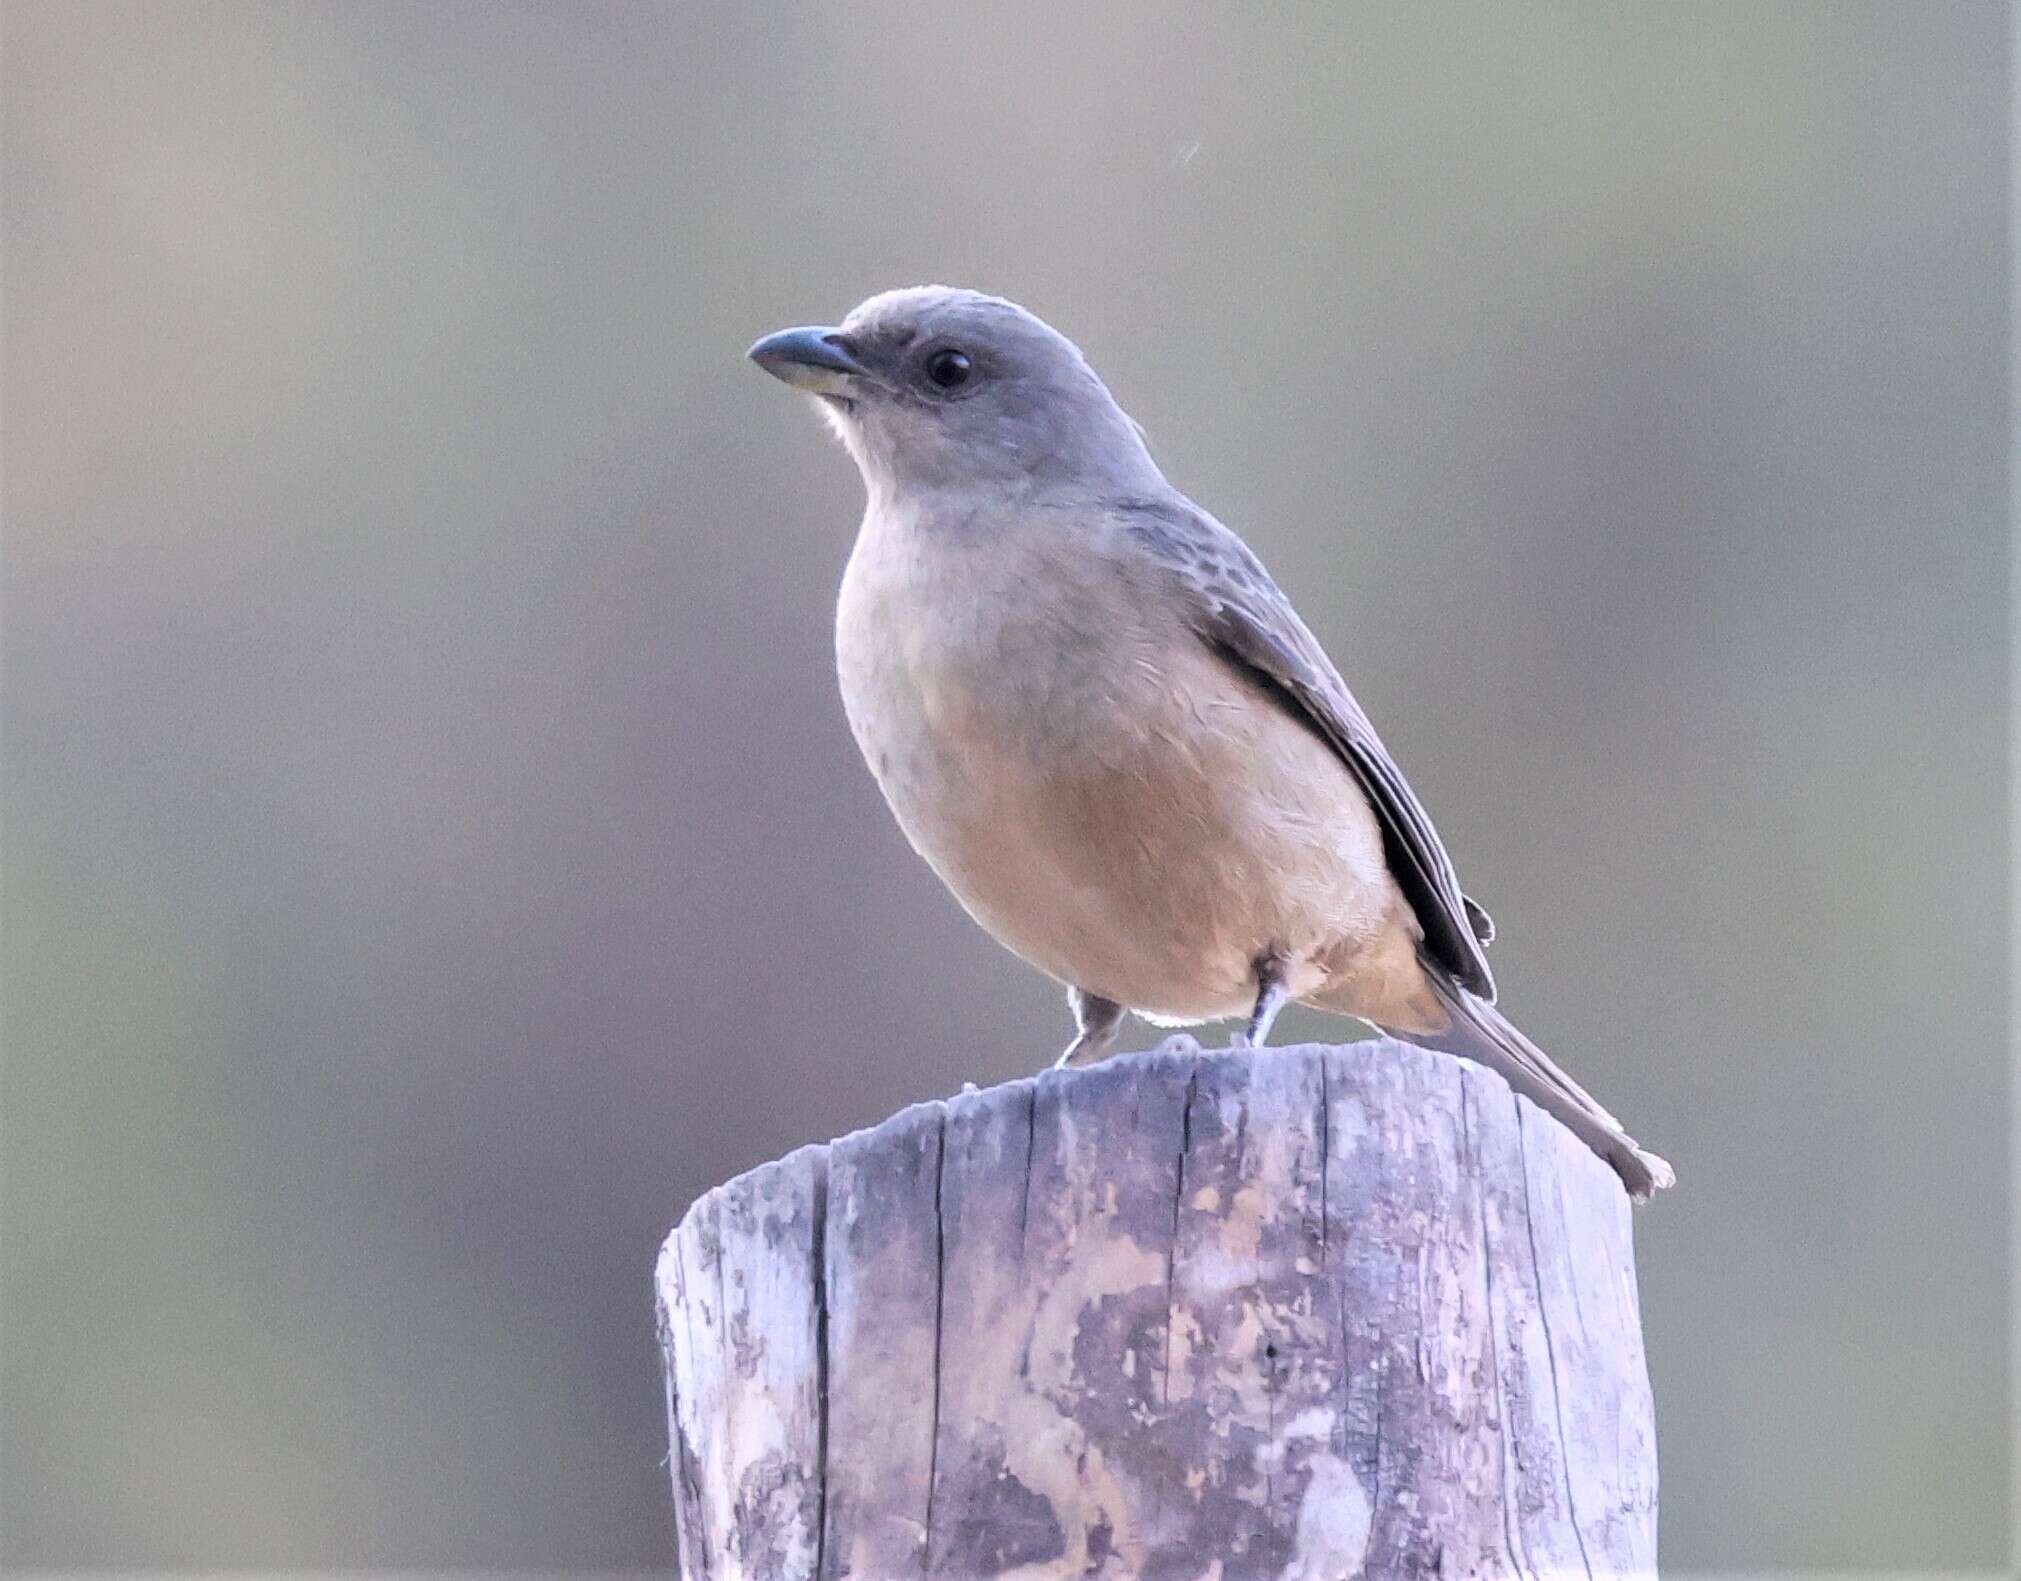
(1271,997)
(1099,1021)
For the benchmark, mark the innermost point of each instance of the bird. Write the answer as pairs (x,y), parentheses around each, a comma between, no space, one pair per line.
(1105,727)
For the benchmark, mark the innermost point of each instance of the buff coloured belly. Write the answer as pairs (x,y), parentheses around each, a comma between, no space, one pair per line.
(1178,829)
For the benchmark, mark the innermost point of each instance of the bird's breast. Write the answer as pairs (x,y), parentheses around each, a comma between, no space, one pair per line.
(958,658)
(1099,790)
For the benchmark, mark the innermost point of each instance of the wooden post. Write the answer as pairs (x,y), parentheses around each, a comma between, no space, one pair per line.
(1307,1314)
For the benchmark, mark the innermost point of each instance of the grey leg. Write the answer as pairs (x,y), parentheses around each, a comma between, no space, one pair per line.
(1098,1020)
(1270,998)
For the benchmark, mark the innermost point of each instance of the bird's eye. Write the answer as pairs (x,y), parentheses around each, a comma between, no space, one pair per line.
(949,369)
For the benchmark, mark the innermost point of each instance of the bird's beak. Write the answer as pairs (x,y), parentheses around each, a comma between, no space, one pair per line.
(814,358)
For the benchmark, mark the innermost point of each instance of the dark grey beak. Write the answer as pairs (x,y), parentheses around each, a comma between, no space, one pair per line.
(814,357)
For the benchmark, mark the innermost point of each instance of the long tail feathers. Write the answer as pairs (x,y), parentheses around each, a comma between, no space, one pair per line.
(1481,1033)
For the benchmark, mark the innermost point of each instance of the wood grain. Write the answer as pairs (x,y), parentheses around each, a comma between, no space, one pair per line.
(1305,1314)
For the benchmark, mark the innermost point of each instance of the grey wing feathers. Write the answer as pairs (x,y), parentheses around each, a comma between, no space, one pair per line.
(1244,615)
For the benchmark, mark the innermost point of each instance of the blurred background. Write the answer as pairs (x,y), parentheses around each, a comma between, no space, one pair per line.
(434,852)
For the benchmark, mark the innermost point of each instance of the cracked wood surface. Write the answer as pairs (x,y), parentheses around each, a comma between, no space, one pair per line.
(1307,1314)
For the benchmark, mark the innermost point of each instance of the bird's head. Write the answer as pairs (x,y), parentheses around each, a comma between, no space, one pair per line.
(935,388)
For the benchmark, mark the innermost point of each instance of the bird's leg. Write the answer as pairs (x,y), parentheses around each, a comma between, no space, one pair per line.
(1271,995)
(1098,1021)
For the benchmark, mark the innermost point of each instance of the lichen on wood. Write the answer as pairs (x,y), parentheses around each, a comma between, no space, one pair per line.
(1305,1314)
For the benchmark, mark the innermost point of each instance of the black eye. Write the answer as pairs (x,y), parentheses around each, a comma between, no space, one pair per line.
(949,369)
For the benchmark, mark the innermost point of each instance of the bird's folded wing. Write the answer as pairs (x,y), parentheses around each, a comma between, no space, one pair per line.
(1242,614)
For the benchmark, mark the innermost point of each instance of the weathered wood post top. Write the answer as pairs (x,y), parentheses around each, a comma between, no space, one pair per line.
(1304,1313)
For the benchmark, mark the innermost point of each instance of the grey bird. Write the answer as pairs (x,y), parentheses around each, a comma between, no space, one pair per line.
(1107,730)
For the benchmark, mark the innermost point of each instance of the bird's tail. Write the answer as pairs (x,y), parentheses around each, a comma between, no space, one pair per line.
(1480,1032)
